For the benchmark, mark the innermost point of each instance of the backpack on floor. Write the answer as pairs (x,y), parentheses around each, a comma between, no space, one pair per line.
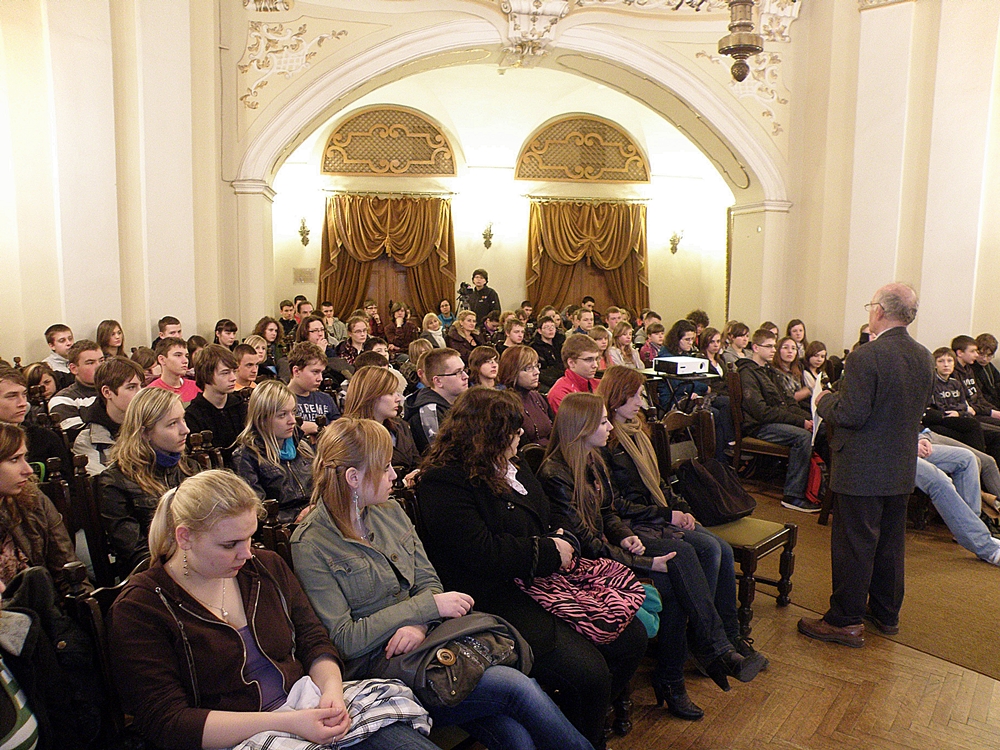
(714,492)
(819,480)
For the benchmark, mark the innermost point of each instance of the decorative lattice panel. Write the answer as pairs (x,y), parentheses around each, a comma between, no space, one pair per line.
(582,148)
(389,141)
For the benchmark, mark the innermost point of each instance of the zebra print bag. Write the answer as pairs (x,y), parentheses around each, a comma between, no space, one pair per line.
(597,598)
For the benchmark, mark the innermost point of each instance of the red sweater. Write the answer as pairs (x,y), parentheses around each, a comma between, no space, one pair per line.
(570,382)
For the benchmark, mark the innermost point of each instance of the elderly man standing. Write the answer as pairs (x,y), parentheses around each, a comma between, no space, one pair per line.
(876,419)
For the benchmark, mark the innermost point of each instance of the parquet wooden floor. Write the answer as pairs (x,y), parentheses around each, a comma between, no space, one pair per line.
(823,696)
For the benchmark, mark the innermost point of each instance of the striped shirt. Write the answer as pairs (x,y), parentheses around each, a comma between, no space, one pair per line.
(24,734)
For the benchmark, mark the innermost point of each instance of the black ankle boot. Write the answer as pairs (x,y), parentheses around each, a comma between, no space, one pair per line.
(744,647)
(678,702)
(732,664)
(622,706)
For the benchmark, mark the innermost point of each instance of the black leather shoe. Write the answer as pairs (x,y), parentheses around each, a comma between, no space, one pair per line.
(732,664)
(677,700)
(744,647)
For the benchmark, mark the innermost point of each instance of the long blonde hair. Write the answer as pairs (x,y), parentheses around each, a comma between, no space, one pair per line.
(362,444)
(132,451)
(366,387)
(579,416)
(199,503)
(265,401)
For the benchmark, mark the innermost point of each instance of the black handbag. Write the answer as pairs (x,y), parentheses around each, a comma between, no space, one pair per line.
(449,662)
(714,492)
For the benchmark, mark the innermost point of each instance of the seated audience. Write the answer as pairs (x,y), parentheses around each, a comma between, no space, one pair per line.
(353,345)
(400,330)
(787,371)
(710,348)
(373,319)
(462,336)
(519,371)
(432,331)
(602,336)
(111,339)
(488,522)
(85,357)
(376,344)
(60,340)
(286,318)
(169,327)
(194,345)
(621,351)
(576,480)
(147,360)
(269,329)
(491,329)
(582,320)
(796,331)
(373,394)
(446,378)
(271,454)
(117,382)
(949,411)
(483,367)
(579,355)
(303,308)
(225,333)
(680,342)
(209,641)
(950,477)
(613,316)
(986,374)
(548,343)
(336,330)
(307,363)
(768,415)
(700,320)
(39,373)
(445,315)
(588,303)
(737,339)
(355,516)
(966,351)
(250,354)
(410,369)
(642,326)
(313,330)
(43,443)
(514,329)
(147,459)
(656,332)
(216,408)
(767,325)
(172,356)
(816,367)
(32,532)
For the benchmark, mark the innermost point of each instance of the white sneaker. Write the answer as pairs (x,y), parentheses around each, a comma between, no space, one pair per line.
(800,504)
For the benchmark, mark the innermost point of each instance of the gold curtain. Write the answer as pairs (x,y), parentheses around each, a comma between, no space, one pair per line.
(611,236)
(415,232)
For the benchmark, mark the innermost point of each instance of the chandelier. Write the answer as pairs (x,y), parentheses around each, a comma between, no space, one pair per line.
(742,41)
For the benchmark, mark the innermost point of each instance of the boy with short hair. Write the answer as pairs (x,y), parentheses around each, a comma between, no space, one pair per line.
(216,408)
(588,303)
(648,318)
(169,327)
(483,299)
(59,337)
(85,357)
(966,352)
(376,344)
(172,356)
(336,330)
(580,356)
(986,374)
(614,316)
(446,377)
(43,443)
(583,321)
(307,363)
(655,334)
(287,317)
(117,381)
(513,334)
(246,370)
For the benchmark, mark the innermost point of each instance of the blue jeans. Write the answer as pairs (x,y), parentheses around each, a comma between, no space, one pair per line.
(716,558)
(799,441)
(398,736)
(956,498)
(509,711)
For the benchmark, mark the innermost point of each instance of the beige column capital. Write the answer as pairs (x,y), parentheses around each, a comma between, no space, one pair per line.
(254,187)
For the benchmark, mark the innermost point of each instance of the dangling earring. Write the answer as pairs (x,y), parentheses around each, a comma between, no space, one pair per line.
(187,573)
(357,511)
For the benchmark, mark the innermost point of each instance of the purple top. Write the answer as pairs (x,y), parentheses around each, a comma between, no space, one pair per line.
(260,668)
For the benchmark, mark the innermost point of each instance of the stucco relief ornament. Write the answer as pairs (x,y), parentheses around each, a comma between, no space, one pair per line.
(529,29)
(696,5)
(266,6)
(776,17)
(761,85)
(275,50)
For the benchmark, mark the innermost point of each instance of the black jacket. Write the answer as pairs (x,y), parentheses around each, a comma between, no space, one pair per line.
(763,401)
(288,482)
(479,542)
(977,400)
(988,382)
(483,302)
(549,359)
(609,530)
(226,423)
(424,410)
(633,501)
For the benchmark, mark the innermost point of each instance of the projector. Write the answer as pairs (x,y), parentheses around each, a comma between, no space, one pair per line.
(681,365)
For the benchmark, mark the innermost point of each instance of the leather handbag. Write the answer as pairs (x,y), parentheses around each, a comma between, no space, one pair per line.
(597,598)
(448,664)
(714,492)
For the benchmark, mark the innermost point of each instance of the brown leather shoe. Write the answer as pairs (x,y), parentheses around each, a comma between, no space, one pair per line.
(881,626)
(821,630)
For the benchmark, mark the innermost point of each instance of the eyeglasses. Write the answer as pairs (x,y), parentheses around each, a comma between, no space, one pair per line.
(767,346)
(463,371)
(532,368)
(870,305)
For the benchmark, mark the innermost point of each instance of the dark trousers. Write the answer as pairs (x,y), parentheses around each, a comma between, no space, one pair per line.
(589,676)
(866,549)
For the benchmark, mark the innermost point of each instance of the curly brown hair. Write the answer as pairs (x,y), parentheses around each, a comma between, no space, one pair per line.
(475,434)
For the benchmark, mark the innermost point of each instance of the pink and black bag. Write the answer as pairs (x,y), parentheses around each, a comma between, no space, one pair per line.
(597,598)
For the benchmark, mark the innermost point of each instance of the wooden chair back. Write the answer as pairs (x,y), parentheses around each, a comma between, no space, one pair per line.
(197,451)
(57,489)
(748,444)
(533,455)
(276,536)
(86,493)
(211,450)
(697,427)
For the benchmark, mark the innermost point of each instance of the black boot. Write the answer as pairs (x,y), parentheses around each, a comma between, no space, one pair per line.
(732,664)
(622,706)
(677,700)
(744,647)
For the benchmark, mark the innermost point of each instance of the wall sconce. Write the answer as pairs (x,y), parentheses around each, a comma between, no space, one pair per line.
(488,236)
(675,240)
(304,233)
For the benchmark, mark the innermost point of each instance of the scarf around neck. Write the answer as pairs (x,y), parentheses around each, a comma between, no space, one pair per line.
(287,451)
(640,449)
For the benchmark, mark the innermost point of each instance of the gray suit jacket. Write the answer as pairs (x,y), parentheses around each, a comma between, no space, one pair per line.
(876,416)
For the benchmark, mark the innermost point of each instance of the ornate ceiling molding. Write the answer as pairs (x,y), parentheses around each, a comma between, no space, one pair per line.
(274,50)
(761,85)
(671,5)
(582,148)
(529,29)
(388,141)
(867,4)
(269,6)
(776,16)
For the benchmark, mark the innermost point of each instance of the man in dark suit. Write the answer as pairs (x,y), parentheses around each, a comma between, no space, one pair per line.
(876,419)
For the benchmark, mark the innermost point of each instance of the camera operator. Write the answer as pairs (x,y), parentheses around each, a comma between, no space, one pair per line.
(483,300)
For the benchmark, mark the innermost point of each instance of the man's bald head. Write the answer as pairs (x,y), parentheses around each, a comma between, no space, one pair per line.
(899,302)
